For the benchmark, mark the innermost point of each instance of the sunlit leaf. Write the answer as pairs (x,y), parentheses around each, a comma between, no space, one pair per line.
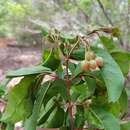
(31,122)
(55,119)
(52,59)
(28,71)
(19,104)
(108,43)
(46,111)
(122,59)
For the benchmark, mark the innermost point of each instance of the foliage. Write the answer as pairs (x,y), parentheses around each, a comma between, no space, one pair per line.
(59,93)
(87,12)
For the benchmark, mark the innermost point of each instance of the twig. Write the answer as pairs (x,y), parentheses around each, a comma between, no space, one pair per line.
(105,13)
(109,20)
(76,4)
(74,46)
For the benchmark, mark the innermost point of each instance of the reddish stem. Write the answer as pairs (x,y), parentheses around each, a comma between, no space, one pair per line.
(70,106)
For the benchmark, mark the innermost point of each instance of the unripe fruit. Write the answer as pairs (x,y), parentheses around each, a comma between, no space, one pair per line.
(93,64)
(85,65)
(90,55)
(99,61)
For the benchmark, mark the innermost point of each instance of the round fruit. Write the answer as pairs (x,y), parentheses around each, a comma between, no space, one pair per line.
(85,65)
(90,55)
(99,61)
(93,64)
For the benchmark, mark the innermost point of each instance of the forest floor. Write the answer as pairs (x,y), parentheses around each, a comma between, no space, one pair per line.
(14,57)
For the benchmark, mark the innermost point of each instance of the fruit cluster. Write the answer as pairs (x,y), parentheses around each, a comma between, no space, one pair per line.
(91,61)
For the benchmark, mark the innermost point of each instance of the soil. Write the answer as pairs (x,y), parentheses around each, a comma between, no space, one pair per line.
(14,57)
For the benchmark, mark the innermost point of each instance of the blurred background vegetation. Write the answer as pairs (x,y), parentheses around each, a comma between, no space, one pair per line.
(23,19)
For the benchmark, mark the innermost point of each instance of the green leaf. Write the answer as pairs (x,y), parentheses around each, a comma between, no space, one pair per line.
(56,118)
(125,125)
(93,119)
(68,6)
(123,60)
(80,92)
(3,84)
(123,100)
(78,54)
(71,67)
(52,59)
(44,31)
(108,43)
(85,6)
(108,120)
(120,56)
(100,98)
(10,126)
(114,108)
(120,107)
(79,117)
(31,122)
(91,83)
(18,105)
(112,75)
(45,54)
(28,71)
(57,87)
(78,70)
(70,38)
(45,113)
